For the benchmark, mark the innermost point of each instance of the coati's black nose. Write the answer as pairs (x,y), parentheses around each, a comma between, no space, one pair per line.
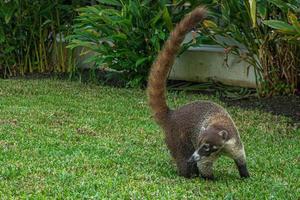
(191,160)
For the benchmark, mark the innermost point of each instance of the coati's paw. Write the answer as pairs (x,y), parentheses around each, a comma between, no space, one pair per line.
(186,175)
(245,175)
(189,175)
(243,170)
(208,177)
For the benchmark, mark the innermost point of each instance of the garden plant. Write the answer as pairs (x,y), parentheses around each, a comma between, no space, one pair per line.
(266,35)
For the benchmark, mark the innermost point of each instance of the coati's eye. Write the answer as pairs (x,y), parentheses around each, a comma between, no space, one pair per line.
(206,147)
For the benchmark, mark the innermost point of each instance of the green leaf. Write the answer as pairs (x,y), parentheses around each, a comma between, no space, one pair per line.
(262,9)
(296,24)
(134,8)
(162,35)
(253,12)
(280,4)
(155,19)
(209,24)
(118,36)
(9,49)
(141,61)
(167,19)
(280,25)
(110,2)
(48,21)
(2,35)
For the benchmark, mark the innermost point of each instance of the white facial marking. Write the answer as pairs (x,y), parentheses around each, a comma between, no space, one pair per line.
(203,129)
(206,147)
(241,153)
(231,141)
(196,156)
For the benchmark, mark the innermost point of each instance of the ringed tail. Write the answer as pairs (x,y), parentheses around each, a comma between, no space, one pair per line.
(160,68)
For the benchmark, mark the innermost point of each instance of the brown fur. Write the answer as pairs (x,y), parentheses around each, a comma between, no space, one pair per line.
(164,61)
(182,127)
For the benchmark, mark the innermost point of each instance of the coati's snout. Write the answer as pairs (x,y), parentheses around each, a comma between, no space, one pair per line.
(210,141)
(204,151)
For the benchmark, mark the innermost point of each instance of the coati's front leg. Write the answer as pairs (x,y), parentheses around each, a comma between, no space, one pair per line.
(237,153)
(205,167)
(242,166)
(186,169)
(181,149)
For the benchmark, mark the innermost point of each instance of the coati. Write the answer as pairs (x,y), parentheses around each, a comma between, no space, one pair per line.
(197,133)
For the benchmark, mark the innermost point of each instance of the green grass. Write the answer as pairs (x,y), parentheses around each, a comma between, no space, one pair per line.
(69,140)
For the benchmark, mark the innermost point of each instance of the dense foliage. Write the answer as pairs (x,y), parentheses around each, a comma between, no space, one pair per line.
(125,35)
(29,35)
(266,34)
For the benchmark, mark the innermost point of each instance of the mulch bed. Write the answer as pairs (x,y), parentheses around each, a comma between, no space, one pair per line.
(279,105)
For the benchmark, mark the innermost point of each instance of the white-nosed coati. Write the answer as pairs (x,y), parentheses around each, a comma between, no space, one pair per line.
(199,132)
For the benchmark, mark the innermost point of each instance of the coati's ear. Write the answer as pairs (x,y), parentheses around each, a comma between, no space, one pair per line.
(223,134)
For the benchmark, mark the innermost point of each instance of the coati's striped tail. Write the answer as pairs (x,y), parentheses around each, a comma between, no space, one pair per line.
(164,61)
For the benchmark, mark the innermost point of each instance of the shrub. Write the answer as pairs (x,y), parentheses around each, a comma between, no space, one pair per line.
(125,35)
(29,30)
(248,24)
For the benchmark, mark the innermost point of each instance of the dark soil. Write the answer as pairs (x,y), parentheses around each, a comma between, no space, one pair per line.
(288,106)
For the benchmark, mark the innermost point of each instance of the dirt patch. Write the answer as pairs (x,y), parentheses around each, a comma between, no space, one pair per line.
(12,122)
(288,106)
(86,131)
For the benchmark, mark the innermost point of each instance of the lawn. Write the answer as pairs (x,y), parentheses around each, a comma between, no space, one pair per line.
(70,140)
